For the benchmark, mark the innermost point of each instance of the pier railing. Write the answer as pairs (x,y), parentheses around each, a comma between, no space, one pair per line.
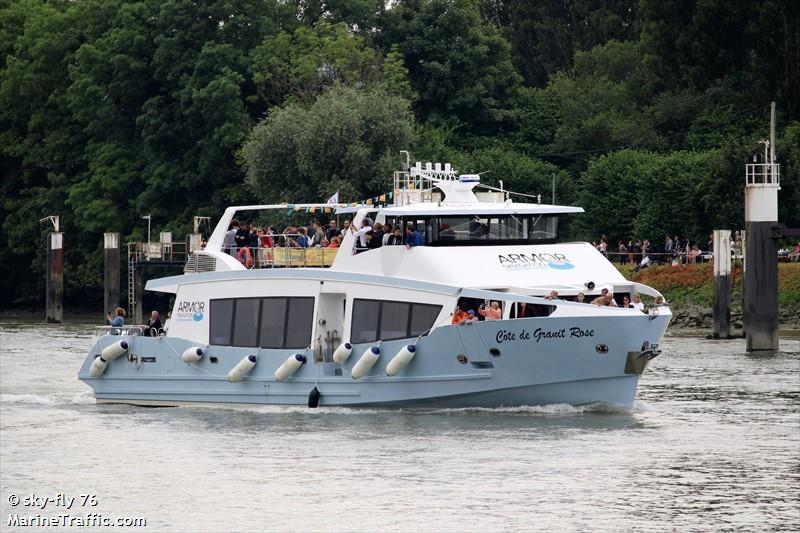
(157,252)
(765,174)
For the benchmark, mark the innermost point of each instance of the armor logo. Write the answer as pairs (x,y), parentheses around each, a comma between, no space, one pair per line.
(190,311)
(535,261)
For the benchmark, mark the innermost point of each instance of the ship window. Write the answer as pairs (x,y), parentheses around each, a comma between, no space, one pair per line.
(385,320)
(300,318)
(394,320)
(365,320)
(273,315)
(422,318)
(265,322)
(220,317)
(498,229)
(245,325)
(286,322)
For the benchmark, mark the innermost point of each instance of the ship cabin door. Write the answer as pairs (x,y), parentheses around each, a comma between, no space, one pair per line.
(330,325)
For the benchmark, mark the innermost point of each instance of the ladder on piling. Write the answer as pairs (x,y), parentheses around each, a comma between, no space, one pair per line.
(131,281)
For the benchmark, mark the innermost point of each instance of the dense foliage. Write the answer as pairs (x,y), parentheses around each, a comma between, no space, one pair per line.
(642,111)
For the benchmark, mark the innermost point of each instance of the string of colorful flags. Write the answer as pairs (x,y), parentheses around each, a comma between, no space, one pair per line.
(375,200)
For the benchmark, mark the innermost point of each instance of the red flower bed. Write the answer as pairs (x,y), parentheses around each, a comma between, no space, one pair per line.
(665,278)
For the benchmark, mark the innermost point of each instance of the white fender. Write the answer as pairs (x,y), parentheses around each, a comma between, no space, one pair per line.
(341,353)
(367,361)
(98,367)
(192,355)
(399,361)
(290,366)
(113,351)
(242,368)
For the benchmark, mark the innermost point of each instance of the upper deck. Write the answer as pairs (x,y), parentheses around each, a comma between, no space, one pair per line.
(485,241)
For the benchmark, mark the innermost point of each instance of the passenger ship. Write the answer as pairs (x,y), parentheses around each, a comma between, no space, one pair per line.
(375,328)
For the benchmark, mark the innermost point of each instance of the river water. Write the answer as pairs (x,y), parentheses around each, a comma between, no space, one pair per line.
(712,443)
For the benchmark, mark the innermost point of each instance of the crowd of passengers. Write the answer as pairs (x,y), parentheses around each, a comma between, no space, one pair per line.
(464,315)
(243,238)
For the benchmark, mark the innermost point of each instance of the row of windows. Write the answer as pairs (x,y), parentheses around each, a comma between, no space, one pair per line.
(287,322)
(493,229)
(383,320)
(264,322)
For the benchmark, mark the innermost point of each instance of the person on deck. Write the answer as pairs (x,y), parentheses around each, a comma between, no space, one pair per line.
(471,318)
(302,239)
(459,315)
(493,312)
(116,322)
(361,235)
(229,241)
(153,327)
(332,231)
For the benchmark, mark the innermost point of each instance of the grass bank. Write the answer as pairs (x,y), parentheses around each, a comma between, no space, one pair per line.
(689,290)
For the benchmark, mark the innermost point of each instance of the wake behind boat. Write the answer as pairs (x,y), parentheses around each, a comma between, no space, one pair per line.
(383,326)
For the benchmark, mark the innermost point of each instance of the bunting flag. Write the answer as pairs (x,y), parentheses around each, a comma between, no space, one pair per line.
(382,197)
(327,210)
(390,194)
(313,210)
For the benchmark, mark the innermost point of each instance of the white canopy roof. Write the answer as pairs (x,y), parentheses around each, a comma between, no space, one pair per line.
(478,208)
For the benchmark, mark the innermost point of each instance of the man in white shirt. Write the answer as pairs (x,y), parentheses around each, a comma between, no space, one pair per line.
(637,303)
(366,226)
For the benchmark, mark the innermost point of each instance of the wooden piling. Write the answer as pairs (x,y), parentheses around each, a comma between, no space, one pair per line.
(722,284)
(760,310)
(54,310)
(194,240)
(111,278)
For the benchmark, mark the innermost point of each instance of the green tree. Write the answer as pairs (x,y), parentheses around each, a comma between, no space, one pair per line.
(348,140)
(459,66)
(303,64)
(601,103)
(696,44)
(545,35)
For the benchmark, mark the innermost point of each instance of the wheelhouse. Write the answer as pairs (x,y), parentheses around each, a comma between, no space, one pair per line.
(481,230)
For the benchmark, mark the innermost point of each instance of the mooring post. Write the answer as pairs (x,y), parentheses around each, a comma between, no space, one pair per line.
(54,310)
(722,283)
(194,241)
(760,309)
(111,281)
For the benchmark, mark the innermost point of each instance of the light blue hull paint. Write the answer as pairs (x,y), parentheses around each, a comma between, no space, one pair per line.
(553,370)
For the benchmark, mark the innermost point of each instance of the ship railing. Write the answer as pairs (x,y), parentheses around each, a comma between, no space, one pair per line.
(121,331)
(284,254)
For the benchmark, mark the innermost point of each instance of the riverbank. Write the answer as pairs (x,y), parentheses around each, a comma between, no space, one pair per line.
(690,293)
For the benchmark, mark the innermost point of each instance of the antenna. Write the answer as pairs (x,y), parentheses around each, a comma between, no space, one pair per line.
(772,133)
